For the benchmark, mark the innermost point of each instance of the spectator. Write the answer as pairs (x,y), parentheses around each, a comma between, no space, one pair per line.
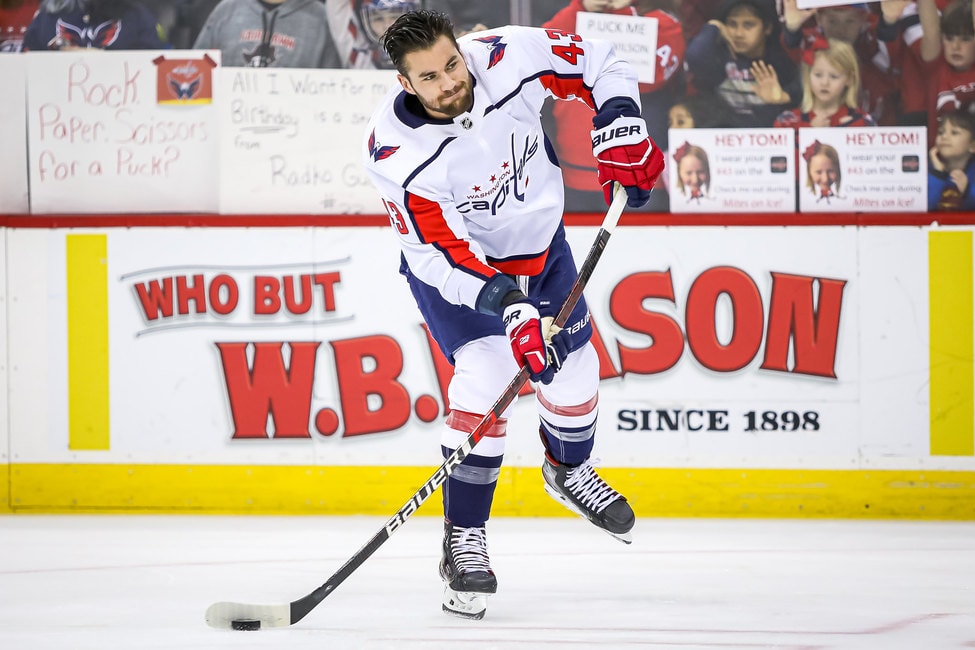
(857,26)
(697,111)
(270,33)
(951,169)
(98,24)
(15,16)
(357,26)
(900,28)
(573,120)
(723,57)
(830,84)
(947,50)
(470,16)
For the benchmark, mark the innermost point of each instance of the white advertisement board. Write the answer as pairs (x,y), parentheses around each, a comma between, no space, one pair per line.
(290,140)
(719,348)
(126,131)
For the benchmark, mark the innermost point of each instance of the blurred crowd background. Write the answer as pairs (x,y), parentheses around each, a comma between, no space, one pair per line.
(719,63)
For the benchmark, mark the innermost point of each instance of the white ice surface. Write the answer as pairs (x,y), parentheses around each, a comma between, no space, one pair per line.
(127,582)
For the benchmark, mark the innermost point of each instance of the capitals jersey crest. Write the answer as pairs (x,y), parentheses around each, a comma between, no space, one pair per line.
(496,47)
(379,152)
(99,36)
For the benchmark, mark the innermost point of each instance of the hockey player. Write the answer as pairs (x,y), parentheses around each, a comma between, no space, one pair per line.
(475,195)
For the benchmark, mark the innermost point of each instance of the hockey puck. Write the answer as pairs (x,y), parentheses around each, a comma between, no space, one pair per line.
(245,624)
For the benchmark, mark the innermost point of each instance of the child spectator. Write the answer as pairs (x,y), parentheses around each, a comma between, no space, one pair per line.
(573,120)
(947,50)
(823,174)
(98,24)
(270,33)
(15,16)
(357,25)
(951,169)
(857,26)
(830,81)
(724,56)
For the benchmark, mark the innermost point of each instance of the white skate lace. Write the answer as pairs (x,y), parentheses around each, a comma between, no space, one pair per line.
(588,488)
(468,546)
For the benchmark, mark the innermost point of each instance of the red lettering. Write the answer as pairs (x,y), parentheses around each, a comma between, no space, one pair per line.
(327,282)
(748,318)
(266,298)
(269,390)
(293,305)
(223,294)
(195,292)
(156,299)
(814,330)
(357,384)
(626,308)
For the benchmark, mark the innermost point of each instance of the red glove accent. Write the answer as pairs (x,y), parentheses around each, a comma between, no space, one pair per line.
(627,155)
(524,329)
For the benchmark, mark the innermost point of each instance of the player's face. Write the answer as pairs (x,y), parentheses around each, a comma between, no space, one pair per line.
(439,78)
(959,51)
(680,117)
(692,174)
(821,171)
(842,23)
(954,142)
(746,32)
(827,82)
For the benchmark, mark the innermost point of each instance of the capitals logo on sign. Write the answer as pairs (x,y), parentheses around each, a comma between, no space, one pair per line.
(496,49)
(184,81)
(377,151)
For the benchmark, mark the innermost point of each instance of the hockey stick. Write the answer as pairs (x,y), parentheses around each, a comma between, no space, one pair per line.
(242,616)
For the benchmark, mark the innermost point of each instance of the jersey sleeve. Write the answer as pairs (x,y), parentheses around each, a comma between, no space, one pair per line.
(566,65)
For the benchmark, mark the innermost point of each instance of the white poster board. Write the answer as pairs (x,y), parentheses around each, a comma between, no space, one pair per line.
(863,169)
(290,140)
(103,137)
(13,117)
(635,38)
(732,170)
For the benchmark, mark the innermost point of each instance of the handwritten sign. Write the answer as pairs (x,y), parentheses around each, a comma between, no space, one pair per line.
(635,38)
(290,139)
(13,162)
(732,170)
(99,141)
(863,169)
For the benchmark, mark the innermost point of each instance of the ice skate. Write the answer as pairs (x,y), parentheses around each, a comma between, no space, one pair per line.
(466,571)
(581,490)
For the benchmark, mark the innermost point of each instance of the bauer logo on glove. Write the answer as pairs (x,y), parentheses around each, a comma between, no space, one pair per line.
(625,154)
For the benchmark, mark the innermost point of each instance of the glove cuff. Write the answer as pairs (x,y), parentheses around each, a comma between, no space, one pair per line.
(517,313)
(620,132)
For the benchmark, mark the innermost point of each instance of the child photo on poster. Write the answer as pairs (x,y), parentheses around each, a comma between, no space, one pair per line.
(693,174)
(823,172)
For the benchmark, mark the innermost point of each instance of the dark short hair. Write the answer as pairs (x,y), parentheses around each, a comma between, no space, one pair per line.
(957,19)
(416,30)
(764,9)
(960,119)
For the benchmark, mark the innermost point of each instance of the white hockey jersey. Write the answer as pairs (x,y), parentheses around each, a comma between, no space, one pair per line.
(482,194)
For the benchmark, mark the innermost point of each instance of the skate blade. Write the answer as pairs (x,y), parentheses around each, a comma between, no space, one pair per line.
(465,604)
(626,538)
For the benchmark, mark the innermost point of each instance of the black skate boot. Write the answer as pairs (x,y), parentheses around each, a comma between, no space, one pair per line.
(581,490)
(466,571)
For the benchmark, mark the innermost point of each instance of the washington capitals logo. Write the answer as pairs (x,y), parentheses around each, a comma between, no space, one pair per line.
(184,88)
(497,49)
(378,152)
(100,36)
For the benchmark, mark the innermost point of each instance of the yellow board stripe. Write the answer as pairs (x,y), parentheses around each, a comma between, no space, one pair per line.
(87,297)
(382,491)
(952,417)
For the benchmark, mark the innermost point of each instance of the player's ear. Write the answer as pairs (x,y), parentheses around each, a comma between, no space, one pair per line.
(407,86)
